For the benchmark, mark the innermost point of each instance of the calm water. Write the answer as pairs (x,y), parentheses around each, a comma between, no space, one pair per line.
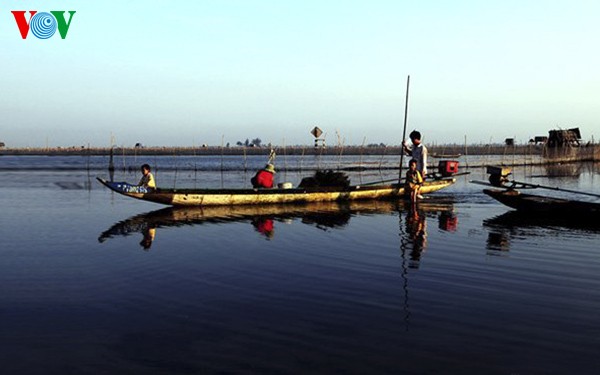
(95,283)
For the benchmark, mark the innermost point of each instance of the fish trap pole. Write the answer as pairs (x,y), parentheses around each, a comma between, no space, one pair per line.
(404,131)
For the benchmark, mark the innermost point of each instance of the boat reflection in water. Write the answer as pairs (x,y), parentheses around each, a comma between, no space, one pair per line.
(512,225)
(264,218)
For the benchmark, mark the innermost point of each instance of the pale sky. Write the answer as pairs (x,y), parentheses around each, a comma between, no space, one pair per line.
(184,73)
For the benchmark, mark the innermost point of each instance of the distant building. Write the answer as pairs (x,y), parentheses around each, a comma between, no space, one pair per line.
(564,138)
(509,141)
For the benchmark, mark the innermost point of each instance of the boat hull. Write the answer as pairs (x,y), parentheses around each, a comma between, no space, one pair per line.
(528,203)
(230,197)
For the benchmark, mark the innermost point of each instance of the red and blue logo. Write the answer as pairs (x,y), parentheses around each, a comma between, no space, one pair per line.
(43,25)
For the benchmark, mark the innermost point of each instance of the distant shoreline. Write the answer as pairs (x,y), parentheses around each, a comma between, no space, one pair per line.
(523,153)
(447,151)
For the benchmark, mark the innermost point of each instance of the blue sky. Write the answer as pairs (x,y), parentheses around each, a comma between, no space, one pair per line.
(184,73)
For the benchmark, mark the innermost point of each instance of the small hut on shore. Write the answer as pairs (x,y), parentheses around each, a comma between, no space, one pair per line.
(564,138)
(565,146)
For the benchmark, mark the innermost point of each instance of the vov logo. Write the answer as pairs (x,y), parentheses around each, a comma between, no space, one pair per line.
(43,25)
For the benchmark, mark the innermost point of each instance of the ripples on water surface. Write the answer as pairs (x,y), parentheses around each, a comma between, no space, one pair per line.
(98,283)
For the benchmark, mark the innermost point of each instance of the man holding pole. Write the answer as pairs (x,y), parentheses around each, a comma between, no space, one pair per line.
(418,152)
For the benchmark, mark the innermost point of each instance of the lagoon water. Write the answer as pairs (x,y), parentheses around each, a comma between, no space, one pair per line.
(96,283)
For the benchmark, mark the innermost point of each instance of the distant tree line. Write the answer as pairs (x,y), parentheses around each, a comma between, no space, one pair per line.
(256,142)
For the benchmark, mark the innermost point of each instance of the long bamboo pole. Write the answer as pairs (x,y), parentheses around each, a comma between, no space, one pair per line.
(534,186)
(404,131)
(518,184)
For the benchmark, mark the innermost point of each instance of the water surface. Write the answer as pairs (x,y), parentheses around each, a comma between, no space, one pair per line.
(96,283)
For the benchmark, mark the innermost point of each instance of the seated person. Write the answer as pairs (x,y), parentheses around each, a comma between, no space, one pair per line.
(414,180)
(147,179)
(264,177)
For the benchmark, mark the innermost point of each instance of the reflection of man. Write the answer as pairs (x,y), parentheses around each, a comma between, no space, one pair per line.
(264,226)
(416,228)
(149,235)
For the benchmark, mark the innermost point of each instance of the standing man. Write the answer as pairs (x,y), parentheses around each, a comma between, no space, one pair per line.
(418,152)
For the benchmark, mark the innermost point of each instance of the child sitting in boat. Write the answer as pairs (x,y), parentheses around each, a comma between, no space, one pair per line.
(147,180)
(414,180)
(264,177)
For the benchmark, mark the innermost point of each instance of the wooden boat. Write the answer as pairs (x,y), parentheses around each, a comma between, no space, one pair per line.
(444,156)
(537,204)
(229,197)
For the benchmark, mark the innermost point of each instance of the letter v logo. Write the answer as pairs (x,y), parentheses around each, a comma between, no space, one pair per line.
(63,26)
(22,22)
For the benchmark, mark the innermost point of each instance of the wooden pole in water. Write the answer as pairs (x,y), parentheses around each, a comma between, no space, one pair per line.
(222,150)
(362,147)
(466,153)
(111,165)
(404,131)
